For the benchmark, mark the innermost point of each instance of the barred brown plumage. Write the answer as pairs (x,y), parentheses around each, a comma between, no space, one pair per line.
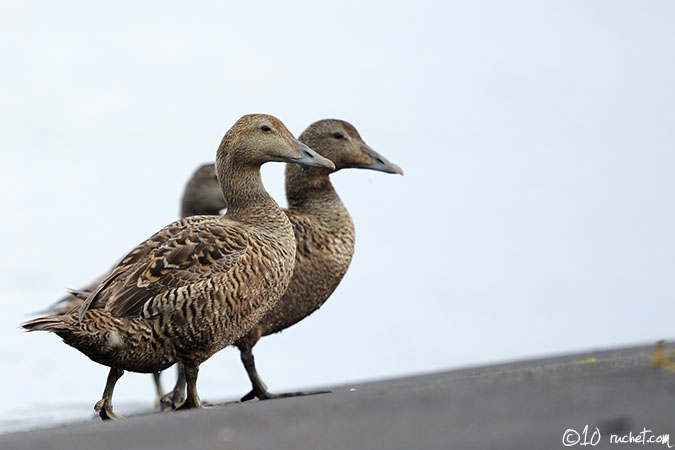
(136,318)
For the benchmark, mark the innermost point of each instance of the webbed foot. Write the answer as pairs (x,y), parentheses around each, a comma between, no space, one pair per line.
(266,395)
(187,404)
(104,409)
(172,400)
(104,406)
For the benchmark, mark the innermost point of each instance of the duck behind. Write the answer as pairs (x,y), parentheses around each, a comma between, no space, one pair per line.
(200,283)
(324,234)
(202,195)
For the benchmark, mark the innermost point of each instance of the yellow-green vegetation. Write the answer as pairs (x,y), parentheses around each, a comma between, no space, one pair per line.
(662,358)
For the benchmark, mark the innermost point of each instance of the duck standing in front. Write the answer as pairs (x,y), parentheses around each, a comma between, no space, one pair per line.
(200,283)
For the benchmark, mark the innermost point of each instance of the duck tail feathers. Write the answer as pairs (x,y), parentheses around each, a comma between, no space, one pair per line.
(51,323)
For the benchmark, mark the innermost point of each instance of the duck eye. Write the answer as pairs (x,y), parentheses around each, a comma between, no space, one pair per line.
(265,128)
(338,135)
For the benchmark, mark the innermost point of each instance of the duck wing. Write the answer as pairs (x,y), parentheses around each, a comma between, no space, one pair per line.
(184,252)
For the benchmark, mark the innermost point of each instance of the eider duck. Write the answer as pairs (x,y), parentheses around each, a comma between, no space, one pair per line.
(200,283)
(324,234)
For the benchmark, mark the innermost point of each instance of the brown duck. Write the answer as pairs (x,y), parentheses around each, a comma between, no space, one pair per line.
(324,235)
(200,283)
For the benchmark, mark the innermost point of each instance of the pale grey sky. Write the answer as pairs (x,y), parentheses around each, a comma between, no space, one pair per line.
(535,216)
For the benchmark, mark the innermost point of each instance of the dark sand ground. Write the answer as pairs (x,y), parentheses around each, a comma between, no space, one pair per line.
(524,405)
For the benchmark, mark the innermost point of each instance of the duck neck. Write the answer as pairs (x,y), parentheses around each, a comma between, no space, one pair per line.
(309,186)
(246,197)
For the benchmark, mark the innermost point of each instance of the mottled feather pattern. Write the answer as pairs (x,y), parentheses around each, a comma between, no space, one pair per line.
(325,245)
(185,251)
(324,234)
(102,337)
(203,274)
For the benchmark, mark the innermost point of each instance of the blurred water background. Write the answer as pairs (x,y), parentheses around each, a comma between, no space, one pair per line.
(535,217)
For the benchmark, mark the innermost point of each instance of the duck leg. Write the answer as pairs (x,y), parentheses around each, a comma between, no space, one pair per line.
(158,388)
(192,398)
(176,397)
(259,389)
(104,406)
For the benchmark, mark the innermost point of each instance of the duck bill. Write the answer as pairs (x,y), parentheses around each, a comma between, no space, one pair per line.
(309,157)
(381,163)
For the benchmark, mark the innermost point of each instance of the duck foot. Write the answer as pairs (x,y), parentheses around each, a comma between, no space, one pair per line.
(175,399)
(192,399)
(258,386)
(185,407)
(202,405)
(104,406)
(105,411)
(265,395)
(171,401)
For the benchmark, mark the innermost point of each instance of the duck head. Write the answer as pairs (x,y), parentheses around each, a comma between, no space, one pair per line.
(259,138)
(203,194)
(339,141)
